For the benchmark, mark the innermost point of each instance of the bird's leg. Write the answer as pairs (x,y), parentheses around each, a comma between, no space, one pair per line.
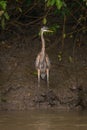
(38,87)
(38,78)
(47,71)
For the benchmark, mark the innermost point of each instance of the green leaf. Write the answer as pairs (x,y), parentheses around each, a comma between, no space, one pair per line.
(48,3)
(59,4)
(3,23)
(3,4)
(19,9)
(59,57)
(52,2)
(71,36)
(64,35)
(70,59)
(55,27)
(44,21)
(6,16)
(86,3)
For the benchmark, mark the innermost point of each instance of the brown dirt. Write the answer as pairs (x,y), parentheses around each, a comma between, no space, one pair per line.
(18,77)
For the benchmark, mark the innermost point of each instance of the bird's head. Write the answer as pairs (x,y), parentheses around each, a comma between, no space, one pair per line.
(45,29)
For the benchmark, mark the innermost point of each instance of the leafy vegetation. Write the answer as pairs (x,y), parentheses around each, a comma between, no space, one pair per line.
(30,12)
(58,3)
(3,13)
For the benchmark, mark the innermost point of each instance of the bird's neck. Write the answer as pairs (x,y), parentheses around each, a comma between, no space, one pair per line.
(43,43)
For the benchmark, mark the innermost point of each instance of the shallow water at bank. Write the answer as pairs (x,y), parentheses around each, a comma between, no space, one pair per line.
(43,120)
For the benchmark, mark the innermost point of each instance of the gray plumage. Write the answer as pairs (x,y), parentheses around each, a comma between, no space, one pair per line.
(42,61)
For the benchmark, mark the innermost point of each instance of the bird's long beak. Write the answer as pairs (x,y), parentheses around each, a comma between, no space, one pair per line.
(49,30)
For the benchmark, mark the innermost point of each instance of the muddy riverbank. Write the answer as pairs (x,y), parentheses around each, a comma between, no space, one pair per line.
(18,77)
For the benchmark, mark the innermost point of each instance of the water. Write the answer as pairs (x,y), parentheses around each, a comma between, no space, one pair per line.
(43,120)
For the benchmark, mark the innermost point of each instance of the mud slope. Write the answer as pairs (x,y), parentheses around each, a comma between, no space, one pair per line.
(18,77)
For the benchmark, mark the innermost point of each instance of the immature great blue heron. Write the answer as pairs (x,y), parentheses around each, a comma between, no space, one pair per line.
(42,60)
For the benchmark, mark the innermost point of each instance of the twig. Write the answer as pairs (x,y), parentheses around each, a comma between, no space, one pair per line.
(63,32)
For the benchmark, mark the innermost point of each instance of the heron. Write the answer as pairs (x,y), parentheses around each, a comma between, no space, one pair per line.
(42,61)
